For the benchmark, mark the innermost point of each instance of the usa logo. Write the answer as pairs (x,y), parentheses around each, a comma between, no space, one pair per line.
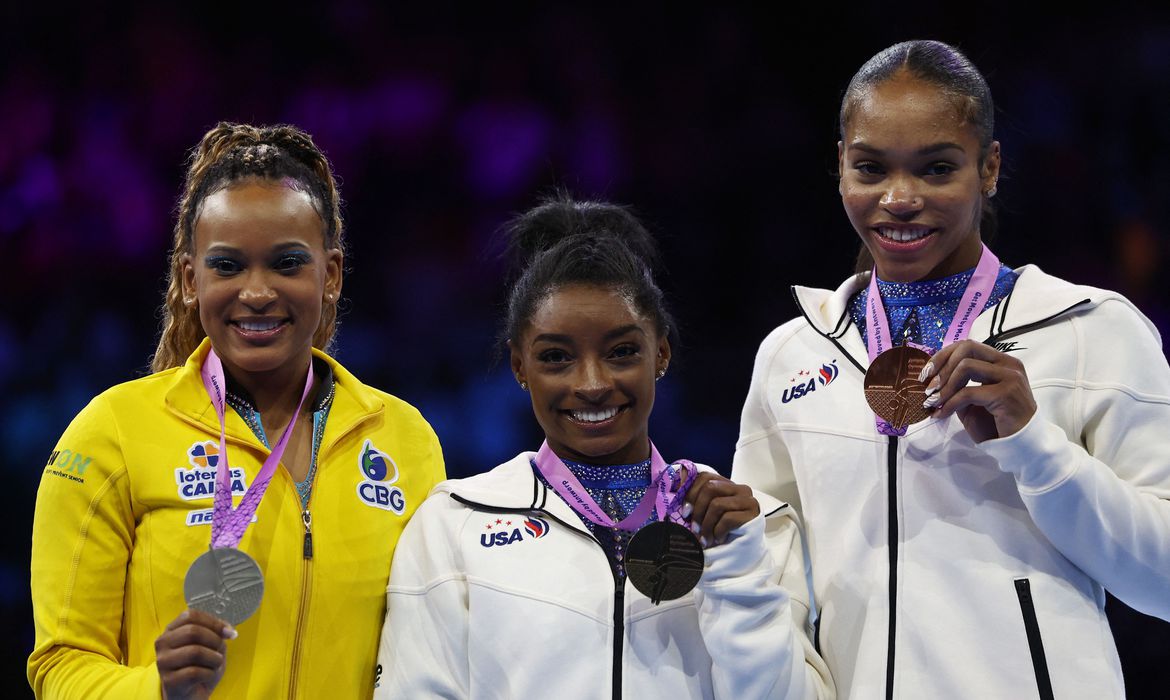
(379,472)
(504,531)
(805,381)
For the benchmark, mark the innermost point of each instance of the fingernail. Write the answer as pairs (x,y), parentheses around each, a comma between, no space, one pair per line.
(926,371)
(686,510)
(695,528)
(932,389)
(931,401)
(185,614)
(703,542)
(229,632)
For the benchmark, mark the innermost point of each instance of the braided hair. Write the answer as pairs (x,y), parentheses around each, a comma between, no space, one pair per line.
(226,155)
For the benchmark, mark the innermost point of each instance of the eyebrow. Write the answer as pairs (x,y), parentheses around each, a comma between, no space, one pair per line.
(924,151)
(223,248)
(567,340)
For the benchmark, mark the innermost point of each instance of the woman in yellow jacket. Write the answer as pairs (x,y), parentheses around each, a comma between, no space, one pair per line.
(125,505)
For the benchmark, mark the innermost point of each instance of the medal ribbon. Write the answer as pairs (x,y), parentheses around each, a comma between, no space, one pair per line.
(877,327)
(657,496)
(228,524)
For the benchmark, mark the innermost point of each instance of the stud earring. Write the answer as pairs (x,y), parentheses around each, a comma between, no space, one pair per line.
(660,373)
(991,192)
(524,386)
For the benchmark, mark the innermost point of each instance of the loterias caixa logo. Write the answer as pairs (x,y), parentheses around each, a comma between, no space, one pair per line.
(379,473)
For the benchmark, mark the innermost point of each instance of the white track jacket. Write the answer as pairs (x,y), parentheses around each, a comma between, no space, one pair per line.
(499,591)
(949,569)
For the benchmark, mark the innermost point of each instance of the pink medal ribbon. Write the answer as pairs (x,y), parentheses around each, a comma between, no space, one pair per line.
(657,495)
(877,327)
(228,524)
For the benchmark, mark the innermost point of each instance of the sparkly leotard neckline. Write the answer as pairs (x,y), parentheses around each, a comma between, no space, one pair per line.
(920,312)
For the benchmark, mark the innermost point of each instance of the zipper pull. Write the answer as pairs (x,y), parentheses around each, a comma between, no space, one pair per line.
(307,519)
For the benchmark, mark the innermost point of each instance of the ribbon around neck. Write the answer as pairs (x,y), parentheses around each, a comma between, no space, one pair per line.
(228,524)
(656,498)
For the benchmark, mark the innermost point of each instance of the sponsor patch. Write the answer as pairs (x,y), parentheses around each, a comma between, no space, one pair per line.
(379,472)
(806,381)
(68,464)
(203,517)
(506,530)
(198,481)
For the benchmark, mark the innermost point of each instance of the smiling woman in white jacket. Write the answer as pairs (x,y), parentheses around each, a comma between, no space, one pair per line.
(967,555)
(501,589)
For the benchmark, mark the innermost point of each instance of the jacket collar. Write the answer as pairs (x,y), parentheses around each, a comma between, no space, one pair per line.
(1047,297)
(511,487)
(353,402)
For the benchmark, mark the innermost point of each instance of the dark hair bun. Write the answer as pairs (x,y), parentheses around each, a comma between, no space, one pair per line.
(560,217)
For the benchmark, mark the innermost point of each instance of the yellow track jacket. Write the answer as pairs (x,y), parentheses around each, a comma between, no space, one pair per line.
(124,507)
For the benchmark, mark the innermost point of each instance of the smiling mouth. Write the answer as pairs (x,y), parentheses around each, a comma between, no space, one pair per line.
(907,234)
(595,416)
(259,328)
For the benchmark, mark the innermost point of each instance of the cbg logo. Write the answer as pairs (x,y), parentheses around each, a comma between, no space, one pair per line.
(380,472)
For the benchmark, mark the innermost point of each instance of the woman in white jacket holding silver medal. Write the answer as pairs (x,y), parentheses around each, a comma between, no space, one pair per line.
(978,452)
(513,583)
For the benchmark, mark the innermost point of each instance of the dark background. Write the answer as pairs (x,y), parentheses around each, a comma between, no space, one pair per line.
(718,124)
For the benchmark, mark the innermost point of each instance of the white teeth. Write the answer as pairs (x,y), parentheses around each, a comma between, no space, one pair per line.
(258,325)
(593,416)
(903,235)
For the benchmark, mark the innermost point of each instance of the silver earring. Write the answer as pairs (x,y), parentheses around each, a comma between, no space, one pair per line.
(524,386)
(991,192)
(660,373)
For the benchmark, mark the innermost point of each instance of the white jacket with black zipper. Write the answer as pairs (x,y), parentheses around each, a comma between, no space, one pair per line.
(943,568)
(498,591)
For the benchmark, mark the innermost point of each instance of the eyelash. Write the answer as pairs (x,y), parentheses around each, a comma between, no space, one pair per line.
(558,356)
(287,263)
(936,169)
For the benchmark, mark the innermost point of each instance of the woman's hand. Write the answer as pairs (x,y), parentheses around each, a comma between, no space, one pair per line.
(997,406)
(191,653)
(716,506)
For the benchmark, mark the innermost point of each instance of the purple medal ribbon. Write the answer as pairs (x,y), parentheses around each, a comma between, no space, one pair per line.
(228,524)
(657,495)
(877,327)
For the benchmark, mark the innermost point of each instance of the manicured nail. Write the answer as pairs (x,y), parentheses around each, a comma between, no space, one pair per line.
(229,632)
(932,389)
(703,542)
(926,372)
(686,510)
(695,528)
(931,401)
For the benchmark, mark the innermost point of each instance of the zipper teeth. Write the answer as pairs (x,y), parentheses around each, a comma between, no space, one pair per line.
(1035,642)
(306,584)
(306,589)
(892,496)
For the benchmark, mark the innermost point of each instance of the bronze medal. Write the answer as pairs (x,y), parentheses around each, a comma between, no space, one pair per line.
(892,388)
(664,561)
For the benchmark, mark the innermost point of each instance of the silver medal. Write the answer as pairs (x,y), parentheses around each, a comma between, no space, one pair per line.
(226,583)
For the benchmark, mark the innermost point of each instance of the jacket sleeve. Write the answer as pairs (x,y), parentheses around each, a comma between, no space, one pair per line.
(83,532)
(761,458)
(424,647)
(753,604)
(1099,487)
